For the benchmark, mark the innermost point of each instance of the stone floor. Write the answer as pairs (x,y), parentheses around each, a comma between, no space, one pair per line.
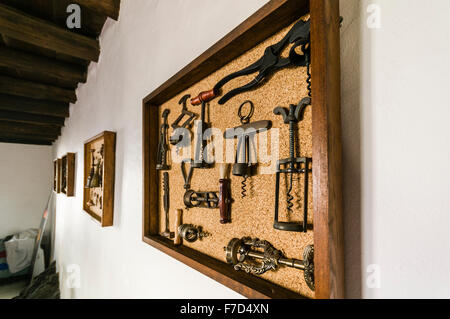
(9,291)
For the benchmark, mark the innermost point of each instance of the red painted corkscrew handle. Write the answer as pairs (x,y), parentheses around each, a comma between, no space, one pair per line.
(205,96)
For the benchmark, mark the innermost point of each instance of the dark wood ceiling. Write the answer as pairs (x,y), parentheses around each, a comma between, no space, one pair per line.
(41,63)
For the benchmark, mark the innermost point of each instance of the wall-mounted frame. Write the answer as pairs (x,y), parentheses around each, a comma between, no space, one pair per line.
(57,175)
(68,174)
(99,172)
(326,145)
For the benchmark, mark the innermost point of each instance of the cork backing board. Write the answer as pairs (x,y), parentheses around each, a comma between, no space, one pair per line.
(98,201)
(64,174)
(55,175)
(70,169)
(95,195)
(68,174)
(253,215)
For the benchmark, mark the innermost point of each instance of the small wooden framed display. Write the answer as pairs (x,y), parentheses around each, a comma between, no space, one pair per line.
(57,175)
(68,174)
(99,170)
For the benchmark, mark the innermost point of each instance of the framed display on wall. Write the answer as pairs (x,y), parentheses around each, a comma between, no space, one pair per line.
(57,175)
(68,174)
(99,171)
(264,235)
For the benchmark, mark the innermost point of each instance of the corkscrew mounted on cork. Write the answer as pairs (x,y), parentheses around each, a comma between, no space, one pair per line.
(212,199)
(166,232)
(238,251)
(245,161)
(193,198)
(178,133)
(92,172)
(270,62)
(292,165)
(163,148)
(192,233)
(64,175)
(95,178)
(225,194)
(200,146)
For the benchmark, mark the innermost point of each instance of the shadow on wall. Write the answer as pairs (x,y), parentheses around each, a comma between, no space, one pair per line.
(352,12)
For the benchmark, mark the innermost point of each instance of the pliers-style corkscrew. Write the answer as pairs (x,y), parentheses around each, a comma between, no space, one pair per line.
(269,63)
(271,60)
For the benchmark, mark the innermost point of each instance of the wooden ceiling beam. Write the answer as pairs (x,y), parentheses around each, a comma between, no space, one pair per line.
(37,50)
(32,106)
(13,86)
(31,118)
(34,67)
(109,8)
(29,129)
(21,26)
(24,141)
(27,137)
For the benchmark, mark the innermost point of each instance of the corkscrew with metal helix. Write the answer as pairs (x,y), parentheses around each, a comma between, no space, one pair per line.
(292,165)
(245,163)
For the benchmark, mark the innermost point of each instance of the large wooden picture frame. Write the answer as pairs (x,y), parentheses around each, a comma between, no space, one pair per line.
(326,132)
(105,192)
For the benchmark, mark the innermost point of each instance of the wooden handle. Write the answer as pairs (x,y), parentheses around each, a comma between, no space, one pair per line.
(205,96)
(225,201)
(177,239)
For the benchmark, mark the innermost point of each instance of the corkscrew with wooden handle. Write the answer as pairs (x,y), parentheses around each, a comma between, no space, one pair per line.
(224,195)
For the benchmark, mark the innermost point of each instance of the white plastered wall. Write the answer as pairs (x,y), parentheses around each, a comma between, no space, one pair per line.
(395,111)
(26,175)
(151,42)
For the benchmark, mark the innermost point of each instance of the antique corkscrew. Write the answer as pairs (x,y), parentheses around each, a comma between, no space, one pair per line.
(192,233)
(271,62)
(95,176)
(166,232)
(92,172)
(245,163)
(97,179)
(292,165)
(239,250)
(224,194)
(64,175)
(163,148)
(193,198)
(200,199)
(177,135)
(100,166)
(200,146)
